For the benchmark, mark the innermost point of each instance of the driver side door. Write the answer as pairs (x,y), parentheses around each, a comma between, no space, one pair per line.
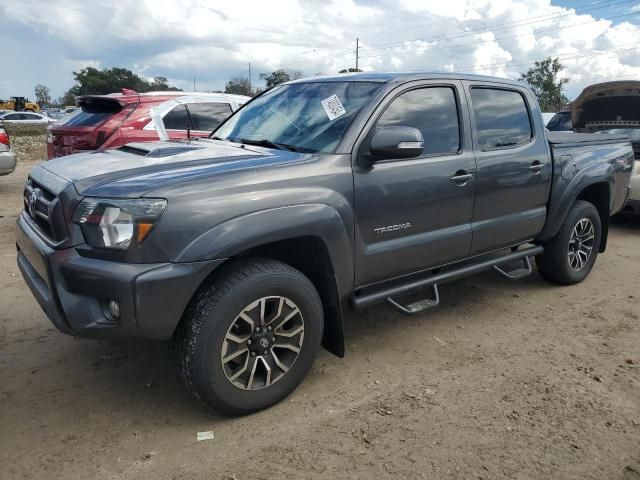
(415,213)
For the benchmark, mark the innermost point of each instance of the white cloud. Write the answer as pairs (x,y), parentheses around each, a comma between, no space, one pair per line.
(45,41)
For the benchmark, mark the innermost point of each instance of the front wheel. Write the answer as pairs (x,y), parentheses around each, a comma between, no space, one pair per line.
(250,336)
(570,255)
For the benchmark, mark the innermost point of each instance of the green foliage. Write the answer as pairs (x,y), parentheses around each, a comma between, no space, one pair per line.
(280,76)
(43,95)
(239,86)
(91,81)
(349,70)
(543,80)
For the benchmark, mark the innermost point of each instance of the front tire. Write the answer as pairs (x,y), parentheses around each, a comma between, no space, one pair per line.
(249,336)
(569,257)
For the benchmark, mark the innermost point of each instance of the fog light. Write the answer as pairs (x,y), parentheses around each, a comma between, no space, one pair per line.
(114,309)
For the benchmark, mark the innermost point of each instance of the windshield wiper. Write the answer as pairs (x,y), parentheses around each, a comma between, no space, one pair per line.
(264,142)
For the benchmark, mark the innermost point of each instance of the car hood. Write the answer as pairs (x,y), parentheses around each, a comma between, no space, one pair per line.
(607,105)
(138,168)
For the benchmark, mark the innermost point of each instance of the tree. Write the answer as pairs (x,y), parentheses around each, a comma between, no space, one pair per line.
(543,80)
(280,76)
(349,70)
(239,86)
(91,81)
(43,95)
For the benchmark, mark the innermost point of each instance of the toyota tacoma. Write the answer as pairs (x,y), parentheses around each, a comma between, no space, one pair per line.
(318,196)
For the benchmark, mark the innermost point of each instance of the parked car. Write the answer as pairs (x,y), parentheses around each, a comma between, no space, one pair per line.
(561,122)
(25,117)
(320,195)
(7,157)
(109,121)
(613,108)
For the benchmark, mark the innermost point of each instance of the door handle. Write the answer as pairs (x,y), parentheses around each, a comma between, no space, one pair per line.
(461,177)
(536,166)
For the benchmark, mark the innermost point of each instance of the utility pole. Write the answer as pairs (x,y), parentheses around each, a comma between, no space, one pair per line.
(194,83)
(357,52)
(249,75)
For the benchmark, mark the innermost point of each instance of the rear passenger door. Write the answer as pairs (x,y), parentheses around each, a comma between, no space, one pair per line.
(416,213)
(513,166)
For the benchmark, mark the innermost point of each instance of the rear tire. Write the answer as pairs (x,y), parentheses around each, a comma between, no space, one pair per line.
(568,258)
(237,352)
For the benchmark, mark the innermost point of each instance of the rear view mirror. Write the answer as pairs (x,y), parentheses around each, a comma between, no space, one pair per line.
(397,142)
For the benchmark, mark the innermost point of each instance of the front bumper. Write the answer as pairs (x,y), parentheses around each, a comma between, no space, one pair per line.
(7,162)
(74,291)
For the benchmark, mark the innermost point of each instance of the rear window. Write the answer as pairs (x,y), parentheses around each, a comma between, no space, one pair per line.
(80,118)
(502,118)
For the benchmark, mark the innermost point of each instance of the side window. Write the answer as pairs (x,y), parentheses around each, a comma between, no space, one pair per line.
(13,116)
(208,116)
(502,118)
(177,119)
(433,111)
(29,116)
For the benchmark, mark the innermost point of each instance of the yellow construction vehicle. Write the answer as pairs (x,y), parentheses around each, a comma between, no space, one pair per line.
(19,104)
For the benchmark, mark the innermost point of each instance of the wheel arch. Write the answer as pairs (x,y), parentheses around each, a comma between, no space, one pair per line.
(311,238)
(593,185)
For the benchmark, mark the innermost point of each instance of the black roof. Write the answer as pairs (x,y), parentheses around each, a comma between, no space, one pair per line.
(385,77)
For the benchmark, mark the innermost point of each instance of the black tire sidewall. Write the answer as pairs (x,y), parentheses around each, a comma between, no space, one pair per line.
(583,210)
(211,381)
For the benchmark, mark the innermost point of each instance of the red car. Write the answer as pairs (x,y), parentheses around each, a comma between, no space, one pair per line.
(108,121)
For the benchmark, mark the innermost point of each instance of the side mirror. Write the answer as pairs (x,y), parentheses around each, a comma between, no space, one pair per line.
(397,142)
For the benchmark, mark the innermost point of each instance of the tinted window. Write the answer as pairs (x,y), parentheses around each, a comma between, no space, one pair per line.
(208,116)
(561,122)
(177,119)
(13,116)
(433,111)
(29,116)
(83,119)
(502,118)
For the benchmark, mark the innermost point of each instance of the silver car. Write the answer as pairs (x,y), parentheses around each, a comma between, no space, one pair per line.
(7,157)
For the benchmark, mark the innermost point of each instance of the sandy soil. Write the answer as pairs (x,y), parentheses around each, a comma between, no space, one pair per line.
(521,380)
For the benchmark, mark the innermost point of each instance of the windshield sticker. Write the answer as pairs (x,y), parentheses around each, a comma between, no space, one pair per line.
(333,107)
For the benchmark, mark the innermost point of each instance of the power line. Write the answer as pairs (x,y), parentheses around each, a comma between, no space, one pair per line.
(506,25)
(502,38)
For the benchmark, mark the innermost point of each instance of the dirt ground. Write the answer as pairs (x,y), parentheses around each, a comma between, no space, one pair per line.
(517,380)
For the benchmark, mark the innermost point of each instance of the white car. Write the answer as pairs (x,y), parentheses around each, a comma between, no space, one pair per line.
(7,157)
(11,116)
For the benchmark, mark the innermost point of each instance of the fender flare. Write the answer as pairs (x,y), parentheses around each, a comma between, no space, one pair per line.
(596,173)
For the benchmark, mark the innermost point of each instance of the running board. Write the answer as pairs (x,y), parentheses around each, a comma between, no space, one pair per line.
(364,300)
(516,273)
(420,305)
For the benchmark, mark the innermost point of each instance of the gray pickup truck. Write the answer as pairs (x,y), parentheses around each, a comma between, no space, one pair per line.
(318,196)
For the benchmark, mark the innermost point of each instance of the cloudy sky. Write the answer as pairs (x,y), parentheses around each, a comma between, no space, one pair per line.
(44,41)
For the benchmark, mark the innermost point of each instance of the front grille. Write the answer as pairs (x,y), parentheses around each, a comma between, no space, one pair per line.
(45,211)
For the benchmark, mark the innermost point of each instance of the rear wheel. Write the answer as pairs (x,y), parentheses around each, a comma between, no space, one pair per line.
(250,336)
(570,255)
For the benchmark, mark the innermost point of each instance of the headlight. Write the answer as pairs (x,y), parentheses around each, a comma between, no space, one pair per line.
(119,224)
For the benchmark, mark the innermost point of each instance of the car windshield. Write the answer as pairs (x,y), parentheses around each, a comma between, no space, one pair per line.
(632,133)
(305,117)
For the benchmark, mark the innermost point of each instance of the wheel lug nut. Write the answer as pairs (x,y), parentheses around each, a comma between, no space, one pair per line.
(257,329)
(253,354)
(268,329)
(249,342)
(264,353)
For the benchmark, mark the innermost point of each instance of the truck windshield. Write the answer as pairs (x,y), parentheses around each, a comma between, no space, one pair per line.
(304,117)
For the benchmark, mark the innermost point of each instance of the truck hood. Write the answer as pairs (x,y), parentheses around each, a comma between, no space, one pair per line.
(138,168)
(607,105)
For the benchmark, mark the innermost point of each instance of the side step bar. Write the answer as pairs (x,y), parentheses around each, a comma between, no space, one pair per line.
(413,286)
